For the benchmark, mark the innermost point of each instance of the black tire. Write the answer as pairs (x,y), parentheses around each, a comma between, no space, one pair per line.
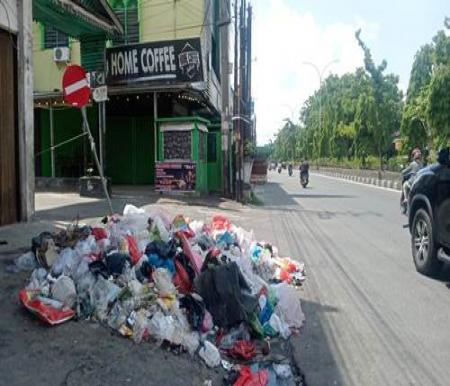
(423,245)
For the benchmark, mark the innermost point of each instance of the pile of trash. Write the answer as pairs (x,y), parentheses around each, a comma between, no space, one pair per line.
(209,289)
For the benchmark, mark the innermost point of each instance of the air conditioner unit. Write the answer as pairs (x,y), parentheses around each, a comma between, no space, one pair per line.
(61,54)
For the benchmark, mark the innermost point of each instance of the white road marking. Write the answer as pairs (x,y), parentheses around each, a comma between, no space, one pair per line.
(357,183)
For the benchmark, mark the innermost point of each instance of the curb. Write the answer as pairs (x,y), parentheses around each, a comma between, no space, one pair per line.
(389,184)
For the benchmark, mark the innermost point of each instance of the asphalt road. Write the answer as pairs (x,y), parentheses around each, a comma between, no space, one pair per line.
(371,318)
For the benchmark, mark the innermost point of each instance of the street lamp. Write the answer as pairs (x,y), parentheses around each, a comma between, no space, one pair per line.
(320,73)
(290,109)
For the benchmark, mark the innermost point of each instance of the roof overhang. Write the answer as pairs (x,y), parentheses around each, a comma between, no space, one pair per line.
(78,17)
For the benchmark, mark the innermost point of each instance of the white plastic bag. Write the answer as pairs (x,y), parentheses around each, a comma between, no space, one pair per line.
(66,262)
(210,354)
(289,308)
(26,262)
(197,227)
(131,209)
(161,327)
(191,342)
(163,282)
(163,233)
(103,292)
(279,326)
(140,326)
(283,371)
(38,281)
(86,247)
(63,290)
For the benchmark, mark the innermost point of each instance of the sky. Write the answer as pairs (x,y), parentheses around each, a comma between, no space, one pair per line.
(288,33)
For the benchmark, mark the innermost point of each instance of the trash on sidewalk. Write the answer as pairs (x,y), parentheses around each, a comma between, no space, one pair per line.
(183,283)
(49,310)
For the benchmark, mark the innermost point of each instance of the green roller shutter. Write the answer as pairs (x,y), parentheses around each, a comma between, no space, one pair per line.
(130,150)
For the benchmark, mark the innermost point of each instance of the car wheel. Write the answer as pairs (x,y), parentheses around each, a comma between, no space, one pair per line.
(424,248)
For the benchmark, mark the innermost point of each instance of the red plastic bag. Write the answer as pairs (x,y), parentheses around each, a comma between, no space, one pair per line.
(285,276)
(43,308)
(194,258)
(247,378)
(220,223)
(242,349)
(181,280)
(99,233)
(133,248)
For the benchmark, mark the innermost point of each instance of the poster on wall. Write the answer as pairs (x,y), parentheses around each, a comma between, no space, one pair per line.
(175,176)
(170,61)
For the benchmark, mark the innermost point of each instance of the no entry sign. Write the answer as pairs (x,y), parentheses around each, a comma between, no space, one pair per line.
(75,86)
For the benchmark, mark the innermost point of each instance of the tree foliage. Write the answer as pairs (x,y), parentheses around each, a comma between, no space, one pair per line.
(426,116)
(350,116)
(356,115)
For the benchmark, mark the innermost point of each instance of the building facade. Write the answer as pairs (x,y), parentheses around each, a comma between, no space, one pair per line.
(162,73)
(16,112)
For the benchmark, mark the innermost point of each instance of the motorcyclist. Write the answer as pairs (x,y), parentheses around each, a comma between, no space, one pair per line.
(304,167)
(410,172)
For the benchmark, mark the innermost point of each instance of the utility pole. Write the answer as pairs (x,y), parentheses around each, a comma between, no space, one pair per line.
(225,85)
(237,170)
(241,94)
(249,71)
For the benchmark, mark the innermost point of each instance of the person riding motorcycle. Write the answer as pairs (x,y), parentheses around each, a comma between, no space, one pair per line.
(304,169)
(409,174)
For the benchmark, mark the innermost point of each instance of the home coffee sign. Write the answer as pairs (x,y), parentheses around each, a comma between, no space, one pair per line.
(172,61)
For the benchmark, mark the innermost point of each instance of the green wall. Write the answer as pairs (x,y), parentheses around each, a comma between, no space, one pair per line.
(215,173)
(67,123)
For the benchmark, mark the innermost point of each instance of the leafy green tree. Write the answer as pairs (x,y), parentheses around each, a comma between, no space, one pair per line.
(438,108)
(380,114)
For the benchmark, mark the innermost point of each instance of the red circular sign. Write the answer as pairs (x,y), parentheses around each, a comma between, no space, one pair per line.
(76,89)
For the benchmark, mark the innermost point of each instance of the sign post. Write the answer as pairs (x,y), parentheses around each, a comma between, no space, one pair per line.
(77,93)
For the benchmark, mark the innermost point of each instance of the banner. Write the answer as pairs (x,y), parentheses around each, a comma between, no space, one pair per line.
(171,61)
(175,176)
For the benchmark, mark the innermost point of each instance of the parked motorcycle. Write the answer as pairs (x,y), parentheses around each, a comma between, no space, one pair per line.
(290,170)
(304,179)
(279,169)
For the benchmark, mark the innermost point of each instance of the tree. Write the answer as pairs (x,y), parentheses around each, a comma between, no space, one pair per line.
(381,115)
(438,107)
(414,118)
(426,116)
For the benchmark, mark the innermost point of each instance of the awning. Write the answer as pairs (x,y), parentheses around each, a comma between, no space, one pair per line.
(78,18)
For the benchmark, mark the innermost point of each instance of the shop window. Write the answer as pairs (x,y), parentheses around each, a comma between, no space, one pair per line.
(177,145)
(212,147)
(54,38)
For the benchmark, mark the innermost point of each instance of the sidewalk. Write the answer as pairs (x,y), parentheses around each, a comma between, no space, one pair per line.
(87,353)
(57,210)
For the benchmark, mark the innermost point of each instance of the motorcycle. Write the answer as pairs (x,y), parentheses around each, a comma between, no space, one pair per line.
(304,179)
(279,169)
(290,170)
(403,202)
